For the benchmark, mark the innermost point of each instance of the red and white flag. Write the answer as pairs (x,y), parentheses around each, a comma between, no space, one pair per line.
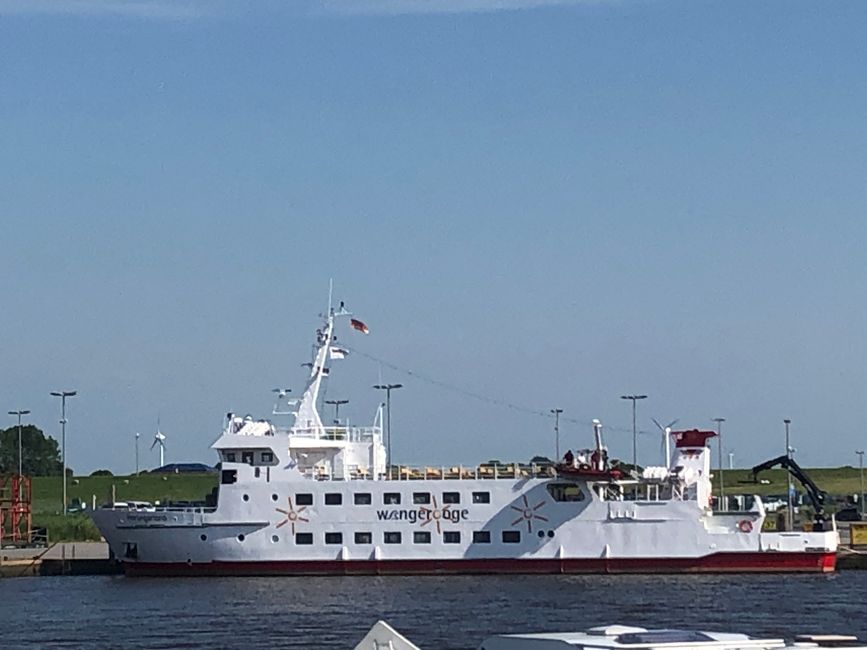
(357,324)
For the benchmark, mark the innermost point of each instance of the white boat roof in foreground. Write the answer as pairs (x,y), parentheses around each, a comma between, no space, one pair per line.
(384,637)
(622,636)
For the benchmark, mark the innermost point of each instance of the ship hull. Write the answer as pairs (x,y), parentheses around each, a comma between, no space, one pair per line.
(758,562)
(505,526)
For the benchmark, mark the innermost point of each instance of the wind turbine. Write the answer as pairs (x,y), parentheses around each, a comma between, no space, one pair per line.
(666,439)
(160,439)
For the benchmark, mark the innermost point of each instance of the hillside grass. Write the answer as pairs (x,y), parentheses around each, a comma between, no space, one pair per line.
(78,527)
(48,490)
(838,482)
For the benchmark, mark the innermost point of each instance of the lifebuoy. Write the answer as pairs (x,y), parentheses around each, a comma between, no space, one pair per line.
(745,526)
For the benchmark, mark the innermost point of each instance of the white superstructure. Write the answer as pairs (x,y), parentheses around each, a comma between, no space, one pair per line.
(315,498)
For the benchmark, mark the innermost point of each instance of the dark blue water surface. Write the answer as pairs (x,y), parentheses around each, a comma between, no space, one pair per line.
(435,612)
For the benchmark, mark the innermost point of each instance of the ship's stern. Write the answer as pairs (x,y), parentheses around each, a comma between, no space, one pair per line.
(815,551)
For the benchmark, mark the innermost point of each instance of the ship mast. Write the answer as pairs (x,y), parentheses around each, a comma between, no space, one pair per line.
(307,420)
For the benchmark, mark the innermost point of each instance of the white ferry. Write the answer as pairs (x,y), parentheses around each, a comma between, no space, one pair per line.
(314,498)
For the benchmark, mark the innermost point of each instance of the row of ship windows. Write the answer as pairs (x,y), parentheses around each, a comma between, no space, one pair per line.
(247,457)
(389,498)
(418,537)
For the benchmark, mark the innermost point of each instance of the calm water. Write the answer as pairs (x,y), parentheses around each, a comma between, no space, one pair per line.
(435,612)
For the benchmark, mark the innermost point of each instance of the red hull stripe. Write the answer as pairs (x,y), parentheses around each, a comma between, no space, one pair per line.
(767,562)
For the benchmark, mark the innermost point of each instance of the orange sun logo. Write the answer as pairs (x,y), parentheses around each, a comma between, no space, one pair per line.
(435,514)
(292,515)
(528,513)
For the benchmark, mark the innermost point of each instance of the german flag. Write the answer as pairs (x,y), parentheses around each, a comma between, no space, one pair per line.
(357,324)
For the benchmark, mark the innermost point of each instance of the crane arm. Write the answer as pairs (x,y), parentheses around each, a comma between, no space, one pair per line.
(816,495)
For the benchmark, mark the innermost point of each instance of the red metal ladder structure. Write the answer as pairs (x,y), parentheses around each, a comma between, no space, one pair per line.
(16,521)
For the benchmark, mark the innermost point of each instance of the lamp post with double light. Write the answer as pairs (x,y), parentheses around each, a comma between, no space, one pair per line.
(790,508)
(388,388)
(556,413)
(337,403)
(722,490)
(19,413)
(861,494)
(634,399)
(63,394)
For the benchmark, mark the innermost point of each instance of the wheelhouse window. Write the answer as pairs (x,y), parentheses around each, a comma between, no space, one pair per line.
(391,498)
(511,537)
(451,537)
(304,499)
(364,538)
(304,539)
(230,456)
(451,497)
(333,499)
(420,498)
(391,538)
(421,537)
(334,538)
(481,537)
(267,457)
(362,499)
(481,497)
(562,492)
(247,457)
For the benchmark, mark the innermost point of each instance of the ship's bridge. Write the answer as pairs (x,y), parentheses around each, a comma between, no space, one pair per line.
(340,451)
(322,452)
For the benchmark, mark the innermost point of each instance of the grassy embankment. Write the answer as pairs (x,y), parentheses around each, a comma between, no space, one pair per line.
(836,481)
(187,487)
(47,498)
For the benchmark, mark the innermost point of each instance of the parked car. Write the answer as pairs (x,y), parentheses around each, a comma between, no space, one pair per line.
(850,513)
(184,468)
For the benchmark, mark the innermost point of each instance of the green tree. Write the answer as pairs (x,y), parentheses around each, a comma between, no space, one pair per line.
(41,453)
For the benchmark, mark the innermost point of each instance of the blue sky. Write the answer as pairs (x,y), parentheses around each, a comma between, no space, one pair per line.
(547,203)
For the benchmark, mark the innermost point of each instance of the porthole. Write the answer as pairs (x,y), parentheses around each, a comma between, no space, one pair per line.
(241,537)
(275,538)
(246,497)
(203,537)
(541,533)
(274,497)
(550,533)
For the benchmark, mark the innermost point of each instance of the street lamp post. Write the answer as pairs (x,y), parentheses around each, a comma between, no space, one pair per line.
(388,388)
(19,413)
(337,403)
(557,413)
(861,467)
(634,399)
(137,436)
(722,490)
(790,510)
(63,394)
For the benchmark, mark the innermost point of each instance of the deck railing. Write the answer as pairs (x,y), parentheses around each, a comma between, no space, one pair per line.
(455,472)
(336,432)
